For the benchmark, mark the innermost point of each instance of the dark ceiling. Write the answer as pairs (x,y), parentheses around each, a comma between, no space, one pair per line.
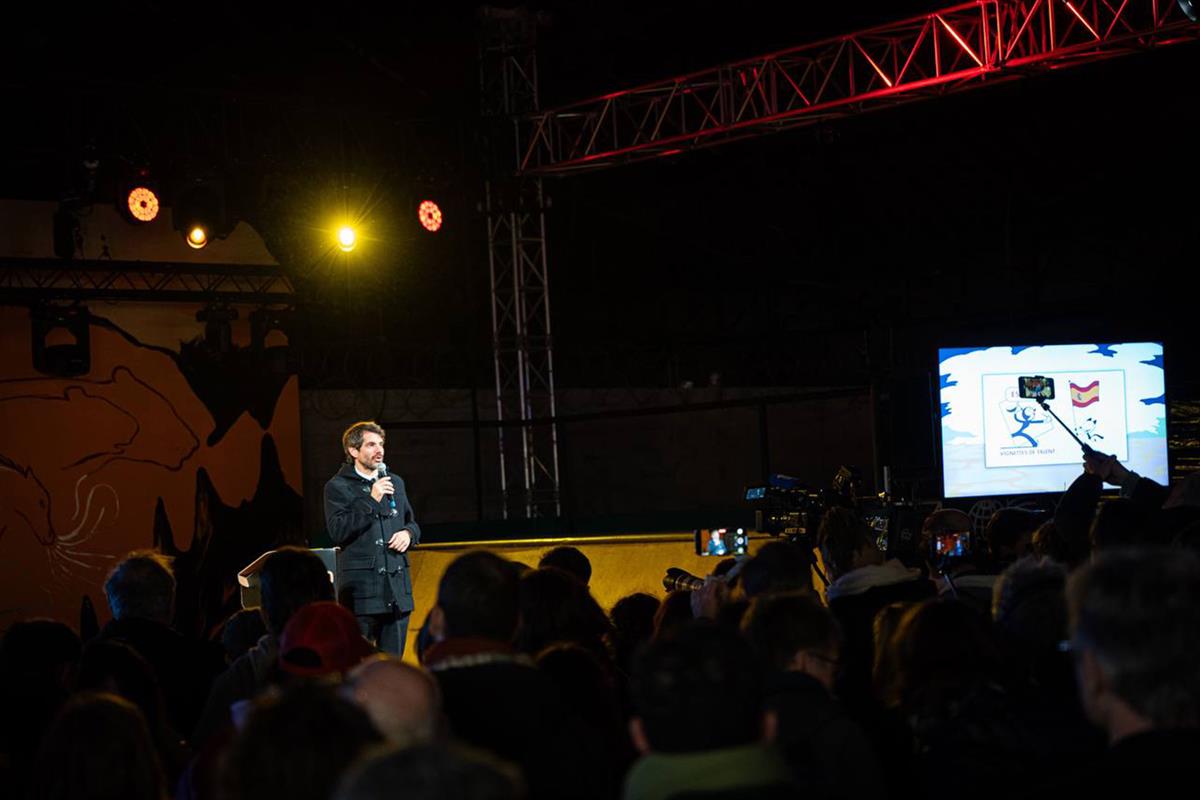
(1049,208)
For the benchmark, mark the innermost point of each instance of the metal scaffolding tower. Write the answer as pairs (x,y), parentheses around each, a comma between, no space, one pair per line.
(516,224)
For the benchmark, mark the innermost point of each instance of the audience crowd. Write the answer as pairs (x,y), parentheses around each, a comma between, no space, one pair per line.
(1044,655)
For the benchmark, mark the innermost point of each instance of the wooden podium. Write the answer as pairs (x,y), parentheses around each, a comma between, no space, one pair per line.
(248,576)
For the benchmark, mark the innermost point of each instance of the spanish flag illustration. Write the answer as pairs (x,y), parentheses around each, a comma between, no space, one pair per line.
(1084,396)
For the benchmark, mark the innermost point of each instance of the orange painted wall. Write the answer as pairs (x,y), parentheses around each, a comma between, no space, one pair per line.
(85,461)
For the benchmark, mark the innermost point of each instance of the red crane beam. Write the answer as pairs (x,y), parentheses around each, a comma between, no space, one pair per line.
(945,51)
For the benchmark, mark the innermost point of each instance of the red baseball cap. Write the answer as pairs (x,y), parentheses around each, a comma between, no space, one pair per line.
(322,638)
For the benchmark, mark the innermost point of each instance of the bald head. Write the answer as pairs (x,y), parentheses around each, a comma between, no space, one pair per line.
(402,700)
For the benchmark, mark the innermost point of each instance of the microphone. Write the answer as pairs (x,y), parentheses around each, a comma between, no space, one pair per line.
(383,473)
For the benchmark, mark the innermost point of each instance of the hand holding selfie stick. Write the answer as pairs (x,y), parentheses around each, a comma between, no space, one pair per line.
(1041,401)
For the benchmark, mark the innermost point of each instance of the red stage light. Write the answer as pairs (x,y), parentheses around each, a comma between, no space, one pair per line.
(430,215)
(143,204)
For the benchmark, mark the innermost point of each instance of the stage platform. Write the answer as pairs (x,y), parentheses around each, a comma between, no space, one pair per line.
(621,565)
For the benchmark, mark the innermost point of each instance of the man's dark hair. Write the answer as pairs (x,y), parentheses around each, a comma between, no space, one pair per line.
(353,436)
(570,560)
(782,625)
(942,649)
(291,577)
(1029,602)
(777,567)
(428,772)
(699,690)
(479,596)
(633,625)
(556,607)
(296,746)
(142,586)
(1138,611)
(1005,530)
(842,533)
(112,665)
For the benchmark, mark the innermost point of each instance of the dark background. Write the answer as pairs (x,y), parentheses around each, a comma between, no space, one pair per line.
(1054,208)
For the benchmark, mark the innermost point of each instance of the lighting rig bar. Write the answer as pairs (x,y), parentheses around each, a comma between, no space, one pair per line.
(957,48)
(39,279)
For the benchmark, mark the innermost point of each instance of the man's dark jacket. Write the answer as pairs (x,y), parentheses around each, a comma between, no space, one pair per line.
(362,528)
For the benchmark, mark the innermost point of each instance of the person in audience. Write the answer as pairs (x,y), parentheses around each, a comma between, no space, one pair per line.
(799,642)
(674,613)
(778,566)
(959,559)
(403,701)
(701,722)
(570,560)
(588,693)
(883,628)
(862,583)
(1009,536)
(555,607)
(1049,542)
(428,772)
(322,639)
(1073,518)
(291,577)
(241,631)
(1030,613)
(141,595)
(1134,617)
(632,626)
(114,667)
(951,688)
(296,745)
(98,748)
(495,697)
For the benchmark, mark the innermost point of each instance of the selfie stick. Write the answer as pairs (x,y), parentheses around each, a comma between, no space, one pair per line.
(1041,401)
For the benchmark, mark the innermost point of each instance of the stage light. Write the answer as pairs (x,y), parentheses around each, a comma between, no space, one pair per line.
(430,215)
(142,203)
(198,212)
(346,238)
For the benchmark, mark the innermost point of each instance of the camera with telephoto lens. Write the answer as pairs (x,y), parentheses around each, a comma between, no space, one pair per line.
(678,579)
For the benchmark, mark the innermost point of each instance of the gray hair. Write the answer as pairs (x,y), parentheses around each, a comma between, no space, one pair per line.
(1138,612)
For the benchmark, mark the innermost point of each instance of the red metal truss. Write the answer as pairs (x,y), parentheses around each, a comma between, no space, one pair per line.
(956,48)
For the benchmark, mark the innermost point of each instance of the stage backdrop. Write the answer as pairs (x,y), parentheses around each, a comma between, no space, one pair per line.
(164,442)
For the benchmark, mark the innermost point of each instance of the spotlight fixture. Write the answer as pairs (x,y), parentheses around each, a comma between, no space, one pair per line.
(199,213)
(142,203)
(1190,8)
(430,216)
(61,339)
(347,239)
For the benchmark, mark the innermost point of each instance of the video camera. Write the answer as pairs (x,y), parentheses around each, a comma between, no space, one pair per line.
(785,507)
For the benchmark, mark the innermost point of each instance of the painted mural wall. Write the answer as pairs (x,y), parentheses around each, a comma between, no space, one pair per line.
(164,442)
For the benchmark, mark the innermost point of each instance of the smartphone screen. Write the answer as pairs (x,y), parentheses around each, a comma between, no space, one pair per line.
(951,545)
(720,541)
(1036,387)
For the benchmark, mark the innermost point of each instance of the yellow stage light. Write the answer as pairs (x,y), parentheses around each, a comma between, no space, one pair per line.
(197,237)
(346,238)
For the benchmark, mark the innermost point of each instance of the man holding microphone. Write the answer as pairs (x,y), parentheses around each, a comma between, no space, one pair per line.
(368,515)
